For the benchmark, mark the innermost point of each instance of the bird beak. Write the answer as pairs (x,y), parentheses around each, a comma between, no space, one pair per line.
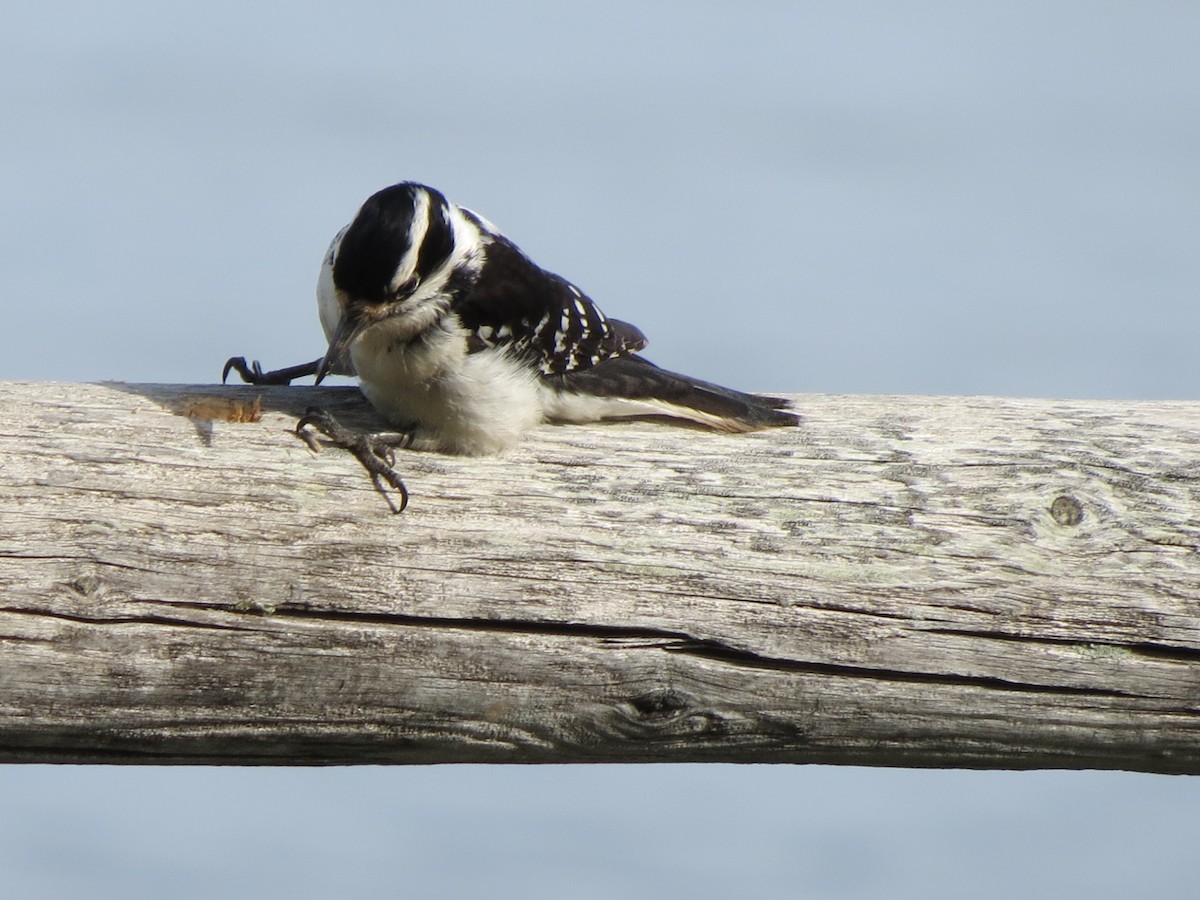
(339,345)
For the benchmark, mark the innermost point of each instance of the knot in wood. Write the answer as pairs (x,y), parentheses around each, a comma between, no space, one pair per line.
(662,703)
(1066,510)
(666,714)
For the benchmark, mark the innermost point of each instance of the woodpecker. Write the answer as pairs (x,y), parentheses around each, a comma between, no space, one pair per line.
(463,343)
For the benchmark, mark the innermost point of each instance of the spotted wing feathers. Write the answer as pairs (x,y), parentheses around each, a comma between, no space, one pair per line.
(540,315)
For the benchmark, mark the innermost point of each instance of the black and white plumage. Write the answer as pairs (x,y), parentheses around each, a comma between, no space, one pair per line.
(462,340)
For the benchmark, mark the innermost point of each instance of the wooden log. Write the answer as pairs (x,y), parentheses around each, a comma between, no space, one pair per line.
(900,581)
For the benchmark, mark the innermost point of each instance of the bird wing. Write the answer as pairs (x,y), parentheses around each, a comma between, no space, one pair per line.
(542,316)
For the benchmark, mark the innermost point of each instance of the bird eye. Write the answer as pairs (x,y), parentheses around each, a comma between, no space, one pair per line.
(407,287)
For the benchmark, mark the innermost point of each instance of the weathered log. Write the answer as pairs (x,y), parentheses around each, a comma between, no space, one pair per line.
(900,581)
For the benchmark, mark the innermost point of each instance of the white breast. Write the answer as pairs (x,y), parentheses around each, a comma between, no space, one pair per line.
(475,404)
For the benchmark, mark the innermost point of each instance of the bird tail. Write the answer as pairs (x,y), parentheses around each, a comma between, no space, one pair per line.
(636,387)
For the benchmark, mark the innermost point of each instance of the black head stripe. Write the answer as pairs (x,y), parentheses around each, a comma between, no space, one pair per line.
(439,237)
(375,242)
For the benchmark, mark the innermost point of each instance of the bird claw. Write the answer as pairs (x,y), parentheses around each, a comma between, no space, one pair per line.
(376,452)
(253,373)
(250,374)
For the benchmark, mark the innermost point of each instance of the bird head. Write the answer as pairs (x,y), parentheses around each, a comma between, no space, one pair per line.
(389,261)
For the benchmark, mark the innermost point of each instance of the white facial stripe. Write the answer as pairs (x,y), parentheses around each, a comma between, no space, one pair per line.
(425,306)
(468,243)
(416,236)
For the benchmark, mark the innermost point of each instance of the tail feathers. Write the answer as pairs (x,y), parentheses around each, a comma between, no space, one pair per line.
(773,402)
(636,387)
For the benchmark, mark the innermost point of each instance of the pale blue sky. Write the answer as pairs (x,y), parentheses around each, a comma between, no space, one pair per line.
(860,196)
(958,197)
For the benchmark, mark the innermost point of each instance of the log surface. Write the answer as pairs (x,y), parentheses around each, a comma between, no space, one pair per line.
(900,581)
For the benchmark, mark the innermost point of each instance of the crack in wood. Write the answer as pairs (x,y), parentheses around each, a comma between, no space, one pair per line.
(121,620)
(1150,649)
(670,641)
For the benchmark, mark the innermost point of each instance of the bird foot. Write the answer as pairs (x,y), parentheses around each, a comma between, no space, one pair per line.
(253,373)
(376,452)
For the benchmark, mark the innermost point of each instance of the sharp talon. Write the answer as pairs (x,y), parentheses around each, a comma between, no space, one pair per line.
(251,374)
(317,418)
(396,483)
(235,362)
(308,437)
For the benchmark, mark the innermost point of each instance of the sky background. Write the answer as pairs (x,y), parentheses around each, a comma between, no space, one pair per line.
(867,197)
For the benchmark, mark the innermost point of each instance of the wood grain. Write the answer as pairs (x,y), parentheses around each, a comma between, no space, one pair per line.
(901,581)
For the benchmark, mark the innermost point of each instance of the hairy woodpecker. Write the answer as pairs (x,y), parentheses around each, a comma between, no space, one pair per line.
(465,343)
